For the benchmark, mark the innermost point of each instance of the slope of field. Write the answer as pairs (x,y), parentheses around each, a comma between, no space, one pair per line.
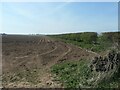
(27,59)
(102,71)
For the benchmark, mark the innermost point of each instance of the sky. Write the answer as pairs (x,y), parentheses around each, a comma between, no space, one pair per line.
(58,17)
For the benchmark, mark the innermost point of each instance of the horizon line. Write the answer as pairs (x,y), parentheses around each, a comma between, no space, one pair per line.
(53,33)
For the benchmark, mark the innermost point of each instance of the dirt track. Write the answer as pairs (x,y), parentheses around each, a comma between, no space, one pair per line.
(27,54)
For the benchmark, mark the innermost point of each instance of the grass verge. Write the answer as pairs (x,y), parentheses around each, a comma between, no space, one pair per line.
(77,74)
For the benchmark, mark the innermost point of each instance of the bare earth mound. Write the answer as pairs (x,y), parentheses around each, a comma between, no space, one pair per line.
(27,59)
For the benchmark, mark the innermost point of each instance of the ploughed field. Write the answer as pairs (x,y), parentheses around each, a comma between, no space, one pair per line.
(27,59)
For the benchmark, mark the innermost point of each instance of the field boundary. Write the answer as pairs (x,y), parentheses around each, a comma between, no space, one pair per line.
(0,61)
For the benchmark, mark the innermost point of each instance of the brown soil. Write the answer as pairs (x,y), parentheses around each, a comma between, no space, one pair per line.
(35,54)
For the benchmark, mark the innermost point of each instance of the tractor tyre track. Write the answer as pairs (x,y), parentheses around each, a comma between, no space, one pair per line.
(24,61)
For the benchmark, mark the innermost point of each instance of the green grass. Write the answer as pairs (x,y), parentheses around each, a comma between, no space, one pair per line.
(77,74)
(72,74)
(102,43)
(93,47)
(113,82)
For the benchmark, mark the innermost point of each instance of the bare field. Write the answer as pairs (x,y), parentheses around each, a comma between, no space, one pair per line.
(27,60)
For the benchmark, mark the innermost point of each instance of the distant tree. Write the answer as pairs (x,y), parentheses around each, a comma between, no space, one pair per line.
(111,37)
(89,37)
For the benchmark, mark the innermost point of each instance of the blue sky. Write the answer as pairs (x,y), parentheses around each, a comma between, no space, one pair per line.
(58,17)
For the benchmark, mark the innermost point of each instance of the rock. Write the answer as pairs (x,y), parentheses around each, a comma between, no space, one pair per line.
(107,63)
